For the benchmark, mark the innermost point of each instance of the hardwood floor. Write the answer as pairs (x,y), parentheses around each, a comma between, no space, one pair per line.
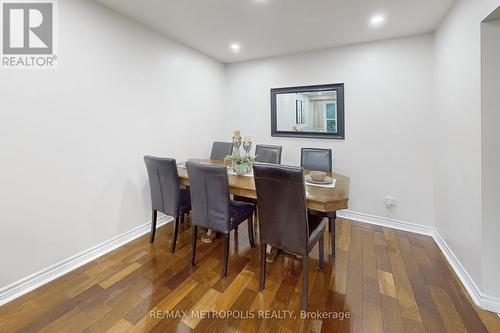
(386,280)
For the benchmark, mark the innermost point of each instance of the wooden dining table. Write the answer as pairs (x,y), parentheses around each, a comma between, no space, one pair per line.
(323,199)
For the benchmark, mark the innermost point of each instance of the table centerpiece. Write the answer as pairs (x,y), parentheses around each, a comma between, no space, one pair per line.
(240,165)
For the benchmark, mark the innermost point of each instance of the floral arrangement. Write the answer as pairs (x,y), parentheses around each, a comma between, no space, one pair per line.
(240,164)
(246,160)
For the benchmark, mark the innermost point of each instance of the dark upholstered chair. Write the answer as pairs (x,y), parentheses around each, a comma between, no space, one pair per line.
(212,207)
(166,194)
(283,219)
(268,154)
(317,159)
(221,150)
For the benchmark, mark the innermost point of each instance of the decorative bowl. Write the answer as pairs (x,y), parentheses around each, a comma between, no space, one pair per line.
(317,176)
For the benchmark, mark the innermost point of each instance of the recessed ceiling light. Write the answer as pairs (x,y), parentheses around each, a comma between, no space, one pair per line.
(377,20)
(235,47)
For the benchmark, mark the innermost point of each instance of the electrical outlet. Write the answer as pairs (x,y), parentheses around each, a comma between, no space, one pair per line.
(390,201)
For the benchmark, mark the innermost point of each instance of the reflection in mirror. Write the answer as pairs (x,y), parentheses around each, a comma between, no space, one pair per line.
(307,112)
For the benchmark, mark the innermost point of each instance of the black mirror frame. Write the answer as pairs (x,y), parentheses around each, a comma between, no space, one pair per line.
(338,87)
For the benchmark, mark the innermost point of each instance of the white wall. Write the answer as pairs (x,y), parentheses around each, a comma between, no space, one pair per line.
(458,128)
(72,139)
(388,107)
(490,166)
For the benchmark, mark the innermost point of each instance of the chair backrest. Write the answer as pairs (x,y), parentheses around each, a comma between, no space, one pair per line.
(281,198)
(221,150)
(316,159)
(268,154)
(209,195)
(164,184)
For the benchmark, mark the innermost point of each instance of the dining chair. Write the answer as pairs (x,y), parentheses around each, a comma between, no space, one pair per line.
(212,207)
(268,154)
(284,222)
(318,159)
(167,196)
(221,150)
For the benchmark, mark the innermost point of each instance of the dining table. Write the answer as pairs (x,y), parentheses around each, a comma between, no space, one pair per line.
(319,198)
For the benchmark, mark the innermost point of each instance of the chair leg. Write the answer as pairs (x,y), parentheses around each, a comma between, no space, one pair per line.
(262,282)
(174,238)
(304,282)
(153,226)
(193,245)
(321,244)
(333,237)
(226,255)
(182,218)
(250,232)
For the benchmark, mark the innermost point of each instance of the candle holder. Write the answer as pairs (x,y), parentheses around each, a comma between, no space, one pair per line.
(247,146)
(236,146)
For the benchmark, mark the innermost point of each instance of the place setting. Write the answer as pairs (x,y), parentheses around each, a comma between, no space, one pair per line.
(320,179)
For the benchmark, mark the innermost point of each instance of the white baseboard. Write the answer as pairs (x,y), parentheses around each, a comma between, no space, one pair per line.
(459,269)
(387,222)
(480,299)
(33,281)
(490,303)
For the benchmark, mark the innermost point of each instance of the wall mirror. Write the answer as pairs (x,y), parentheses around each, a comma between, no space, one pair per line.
(308,111)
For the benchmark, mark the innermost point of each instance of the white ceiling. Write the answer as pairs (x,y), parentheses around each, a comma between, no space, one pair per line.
(273,27)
